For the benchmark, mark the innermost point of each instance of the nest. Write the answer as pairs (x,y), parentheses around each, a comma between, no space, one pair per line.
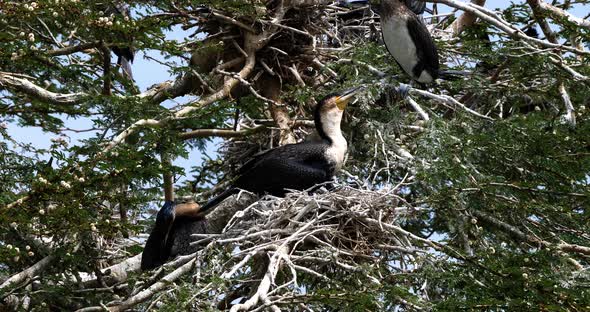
(304,236)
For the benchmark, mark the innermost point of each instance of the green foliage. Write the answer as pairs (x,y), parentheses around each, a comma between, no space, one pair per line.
(523,171)
(500,196)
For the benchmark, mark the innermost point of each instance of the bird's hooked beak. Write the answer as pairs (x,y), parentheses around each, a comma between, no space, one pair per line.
(346,96)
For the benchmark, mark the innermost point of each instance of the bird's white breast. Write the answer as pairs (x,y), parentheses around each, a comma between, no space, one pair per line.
(337,151)
(399,43)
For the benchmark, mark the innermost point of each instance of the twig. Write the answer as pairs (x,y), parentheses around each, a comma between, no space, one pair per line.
(448,100)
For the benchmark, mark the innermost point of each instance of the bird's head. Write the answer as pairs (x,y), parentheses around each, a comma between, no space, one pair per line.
(328,112)
(337,101)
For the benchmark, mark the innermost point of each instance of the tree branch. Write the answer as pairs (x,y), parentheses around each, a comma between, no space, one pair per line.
(29,88)
(222,133)
(557,13)
(496,20)
(515,232)
(29,273)
(465,20)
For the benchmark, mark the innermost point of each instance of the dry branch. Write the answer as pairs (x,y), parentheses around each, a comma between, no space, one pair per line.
(8,80)
(449,101)
(515,232)
(28,274)
(557,13)
(511,30)
(222,133)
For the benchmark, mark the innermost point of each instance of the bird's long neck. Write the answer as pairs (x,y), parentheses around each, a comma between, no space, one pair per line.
(328,127)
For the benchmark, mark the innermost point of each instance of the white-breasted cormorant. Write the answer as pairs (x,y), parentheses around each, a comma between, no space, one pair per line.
(407,39)
(297,166)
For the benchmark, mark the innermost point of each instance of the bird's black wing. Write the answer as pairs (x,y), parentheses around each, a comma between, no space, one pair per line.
(294,166)
(252,161)
(425,47)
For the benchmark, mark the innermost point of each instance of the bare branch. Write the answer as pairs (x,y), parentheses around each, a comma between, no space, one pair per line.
(29,88)
(515,232)
(570,115)
(445,99)
(496,20)
(557,13)
(29,273)
(222,133)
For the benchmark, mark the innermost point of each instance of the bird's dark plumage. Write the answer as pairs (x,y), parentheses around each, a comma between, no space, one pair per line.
(294,166)
(425,48)
(297,166)
(407,39)
(158,246)
(353,3)
(170,218)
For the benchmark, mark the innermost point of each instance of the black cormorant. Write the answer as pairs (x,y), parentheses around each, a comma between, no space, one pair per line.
(158,247)
(297,166)
(125,54)
(407,39)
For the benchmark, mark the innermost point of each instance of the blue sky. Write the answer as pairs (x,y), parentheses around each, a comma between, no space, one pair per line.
(148,72)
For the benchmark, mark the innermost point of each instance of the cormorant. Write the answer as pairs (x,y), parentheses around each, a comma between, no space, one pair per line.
(159,244)
(297,166)
(407,39)
(124,54)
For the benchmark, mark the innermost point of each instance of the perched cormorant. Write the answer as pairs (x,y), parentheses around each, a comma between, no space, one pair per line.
(159,244)
(407,39)
(125,54)
(297,166)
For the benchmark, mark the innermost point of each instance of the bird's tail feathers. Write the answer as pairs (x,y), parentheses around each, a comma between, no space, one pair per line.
(154,252)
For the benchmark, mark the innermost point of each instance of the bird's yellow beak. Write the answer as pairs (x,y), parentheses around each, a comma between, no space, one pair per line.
(345,97)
